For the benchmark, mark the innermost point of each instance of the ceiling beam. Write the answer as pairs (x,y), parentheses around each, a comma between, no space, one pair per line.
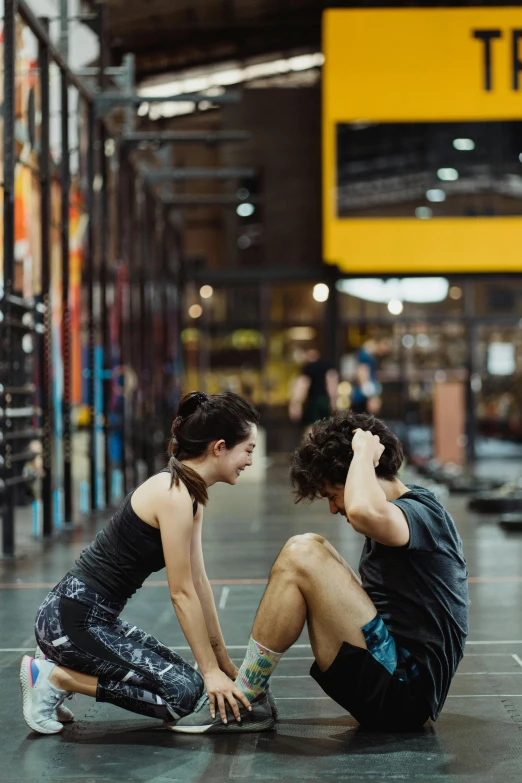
(199,173)
(156,138)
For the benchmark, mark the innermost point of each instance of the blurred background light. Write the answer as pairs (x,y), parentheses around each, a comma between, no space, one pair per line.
(395,307)
(206,291)
(435,194)
(464,145)
(195,311)
(455,292)
(301,333)
(321,292)
(245,210)
(448,174)
(408,289)
(423,213)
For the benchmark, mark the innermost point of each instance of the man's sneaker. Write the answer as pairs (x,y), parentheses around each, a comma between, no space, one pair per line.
(40,698)
(201,722)
(63,714)
(272,702)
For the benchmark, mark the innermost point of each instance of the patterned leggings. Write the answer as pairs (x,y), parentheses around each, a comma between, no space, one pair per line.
(81,630)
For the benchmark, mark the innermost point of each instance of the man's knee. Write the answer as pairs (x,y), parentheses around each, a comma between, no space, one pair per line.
(304,539)
(302,554)
(306,554)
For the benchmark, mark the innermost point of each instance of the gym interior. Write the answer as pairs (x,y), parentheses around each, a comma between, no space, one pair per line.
(200,196)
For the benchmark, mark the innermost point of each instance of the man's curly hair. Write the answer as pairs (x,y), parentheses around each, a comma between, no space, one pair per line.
(326,453)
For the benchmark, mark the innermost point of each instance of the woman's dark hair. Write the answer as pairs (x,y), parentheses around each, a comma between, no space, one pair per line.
(326,453)
(201,419)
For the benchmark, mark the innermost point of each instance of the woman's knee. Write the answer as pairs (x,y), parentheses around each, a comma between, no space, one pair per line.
(185,692)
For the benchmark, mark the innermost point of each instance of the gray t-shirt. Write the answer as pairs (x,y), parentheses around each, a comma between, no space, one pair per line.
(421,590)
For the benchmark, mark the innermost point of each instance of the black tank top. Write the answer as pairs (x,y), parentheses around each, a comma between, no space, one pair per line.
(123,555)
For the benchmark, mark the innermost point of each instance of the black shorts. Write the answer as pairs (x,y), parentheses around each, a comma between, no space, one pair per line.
(382,686)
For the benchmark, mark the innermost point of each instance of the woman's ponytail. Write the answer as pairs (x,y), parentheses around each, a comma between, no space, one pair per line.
(180,472)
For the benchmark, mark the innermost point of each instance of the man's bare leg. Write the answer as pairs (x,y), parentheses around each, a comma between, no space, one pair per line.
(311,582)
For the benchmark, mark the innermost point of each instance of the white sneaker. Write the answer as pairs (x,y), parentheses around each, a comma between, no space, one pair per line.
(39,697)
(62,714)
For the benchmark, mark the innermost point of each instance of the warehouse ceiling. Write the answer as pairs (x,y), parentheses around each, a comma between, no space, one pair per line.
(170,35)
(167,35)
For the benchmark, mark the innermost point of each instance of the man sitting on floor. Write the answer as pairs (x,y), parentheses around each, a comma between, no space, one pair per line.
(387,645)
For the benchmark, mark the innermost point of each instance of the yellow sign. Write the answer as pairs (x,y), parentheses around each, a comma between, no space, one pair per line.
(419,66)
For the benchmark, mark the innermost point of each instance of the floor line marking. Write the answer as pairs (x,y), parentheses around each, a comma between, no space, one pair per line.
(219,582)
(517,659)
(488,654)
(451,696)
(224,597)
(501,641)
(467,674)
(289,657)
(458,674)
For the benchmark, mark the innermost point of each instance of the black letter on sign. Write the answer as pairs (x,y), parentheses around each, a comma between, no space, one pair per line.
(487,36)
(517,63)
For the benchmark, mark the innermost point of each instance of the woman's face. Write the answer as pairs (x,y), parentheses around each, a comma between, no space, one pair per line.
(232,462)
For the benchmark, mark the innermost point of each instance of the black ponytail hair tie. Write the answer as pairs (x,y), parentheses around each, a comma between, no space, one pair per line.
(190,406)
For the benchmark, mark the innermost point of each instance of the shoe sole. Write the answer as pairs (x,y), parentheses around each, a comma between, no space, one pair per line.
(265,725)
(25,685)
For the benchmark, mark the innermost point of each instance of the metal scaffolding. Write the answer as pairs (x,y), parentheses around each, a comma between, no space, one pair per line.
(131,278)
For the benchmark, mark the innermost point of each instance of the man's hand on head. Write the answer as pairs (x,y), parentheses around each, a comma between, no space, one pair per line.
(364,441)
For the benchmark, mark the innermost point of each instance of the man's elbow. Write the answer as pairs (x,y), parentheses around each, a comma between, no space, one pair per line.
(362,518)
(357,517)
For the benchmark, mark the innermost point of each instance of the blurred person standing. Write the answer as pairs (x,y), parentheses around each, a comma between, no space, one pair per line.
(314,394)
(366,394)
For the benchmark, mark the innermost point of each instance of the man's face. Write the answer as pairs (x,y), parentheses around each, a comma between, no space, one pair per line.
(334,493)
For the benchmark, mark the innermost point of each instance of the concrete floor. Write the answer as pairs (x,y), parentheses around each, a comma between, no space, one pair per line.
(477,738)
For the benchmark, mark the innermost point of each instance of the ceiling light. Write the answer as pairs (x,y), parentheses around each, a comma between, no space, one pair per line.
(423,213)
(195,311)
(464,145)
(395,307)
(193,81)
(245,210)
(448,174)
(206,291)
(435,195)
(406,289)
(305,61)
(321,292)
